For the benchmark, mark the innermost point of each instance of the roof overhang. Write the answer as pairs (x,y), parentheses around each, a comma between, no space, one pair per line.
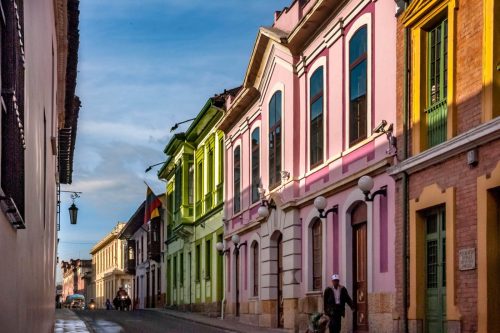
(67,18)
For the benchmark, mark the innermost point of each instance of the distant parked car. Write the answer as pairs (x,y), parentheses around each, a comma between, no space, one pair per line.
(75,301)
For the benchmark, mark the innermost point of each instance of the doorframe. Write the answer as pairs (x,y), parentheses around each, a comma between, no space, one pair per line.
(346,241)
(485,314)
(431,196)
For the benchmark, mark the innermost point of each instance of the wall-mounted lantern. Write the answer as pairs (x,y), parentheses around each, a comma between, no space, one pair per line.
(366,184)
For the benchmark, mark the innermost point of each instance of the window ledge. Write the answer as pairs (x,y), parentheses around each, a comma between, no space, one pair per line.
(473,138)
(314,293)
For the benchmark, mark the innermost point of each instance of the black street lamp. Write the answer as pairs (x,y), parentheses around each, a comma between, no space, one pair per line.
(73,209)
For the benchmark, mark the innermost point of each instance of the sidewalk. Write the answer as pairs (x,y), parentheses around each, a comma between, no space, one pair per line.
(68,322)
(226,324)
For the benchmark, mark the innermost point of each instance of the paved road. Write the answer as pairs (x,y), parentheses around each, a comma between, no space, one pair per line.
(103,321)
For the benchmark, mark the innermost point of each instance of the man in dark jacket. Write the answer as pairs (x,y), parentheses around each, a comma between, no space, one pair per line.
(334,300)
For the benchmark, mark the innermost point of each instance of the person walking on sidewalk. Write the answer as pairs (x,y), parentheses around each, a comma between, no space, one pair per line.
(334,300)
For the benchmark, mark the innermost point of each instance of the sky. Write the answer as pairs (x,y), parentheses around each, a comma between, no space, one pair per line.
(144,65)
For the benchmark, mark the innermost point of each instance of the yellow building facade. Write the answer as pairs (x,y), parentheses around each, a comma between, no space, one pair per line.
(108,272)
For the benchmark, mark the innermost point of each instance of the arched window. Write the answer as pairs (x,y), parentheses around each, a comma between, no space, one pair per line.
(358,86)
(255,260)
(317,259)
(255,164)
(316,118)
(236,180)
(275,140)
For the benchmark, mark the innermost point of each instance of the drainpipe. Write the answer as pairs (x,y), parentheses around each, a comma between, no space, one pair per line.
(405,180)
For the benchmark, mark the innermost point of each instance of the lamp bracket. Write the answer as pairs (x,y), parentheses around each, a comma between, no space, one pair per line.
(323,214)
(370,196)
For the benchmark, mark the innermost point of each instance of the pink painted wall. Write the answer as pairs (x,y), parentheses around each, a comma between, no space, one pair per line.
(340,161)
(29,256)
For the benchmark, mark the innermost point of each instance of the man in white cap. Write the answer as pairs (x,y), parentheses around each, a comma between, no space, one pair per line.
(334,300)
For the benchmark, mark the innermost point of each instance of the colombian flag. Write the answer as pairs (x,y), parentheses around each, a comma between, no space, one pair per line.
(153,205)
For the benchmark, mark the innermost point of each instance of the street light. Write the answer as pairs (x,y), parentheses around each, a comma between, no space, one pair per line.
(73,209)
(320,205)
(366,184)
(176,125)
(221,247)
(153,165)
(265,205)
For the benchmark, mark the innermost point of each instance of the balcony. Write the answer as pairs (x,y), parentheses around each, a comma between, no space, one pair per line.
(437,120)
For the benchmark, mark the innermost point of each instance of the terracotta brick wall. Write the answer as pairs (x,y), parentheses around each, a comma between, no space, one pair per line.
(455,171)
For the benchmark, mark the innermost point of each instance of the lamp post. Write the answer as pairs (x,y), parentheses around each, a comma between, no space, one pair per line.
(366,184)
(223,250)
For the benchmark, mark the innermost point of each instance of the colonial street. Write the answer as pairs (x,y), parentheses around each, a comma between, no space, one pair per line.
(102,321)
(153,320)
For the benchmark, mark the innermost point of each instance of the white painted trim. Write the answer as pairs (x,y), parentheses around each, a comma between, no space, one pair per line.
(256,125)
(321,62)
(346,240)
(365,19)
(331,36)
(279,86)
(255,239)
(475,137)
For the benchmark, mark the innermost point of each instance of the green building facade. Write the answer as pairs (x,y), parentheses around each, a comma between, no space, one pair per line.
(194,175)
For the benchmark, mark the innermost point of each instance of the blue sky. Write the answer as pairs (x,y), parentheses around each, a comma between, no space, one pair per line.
(144,65)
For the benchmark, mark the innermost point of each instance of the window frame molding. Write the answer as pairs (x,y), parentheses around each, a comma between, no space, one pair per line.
(418,19)
(313,215)
(257,125)
(320,62)
(278,86)
(365,19)
(239,146)
(255,240)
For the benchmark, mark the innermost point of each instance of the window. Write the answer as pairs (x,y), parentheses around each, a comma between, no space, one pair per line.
(317,254)
(221,159)
(190,183)
(275,140)
(255,164)
(12,103)
(316,118)
(437,87)
(198,263)
(199,181)
(178,187)
(208,259)
(210,171)
(182,269)
(175,272)
(358,86)
(236,180)
(255,258)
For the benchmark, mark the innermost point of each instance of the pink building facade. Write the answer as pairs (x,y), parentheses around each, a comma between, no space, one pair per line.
(319,83)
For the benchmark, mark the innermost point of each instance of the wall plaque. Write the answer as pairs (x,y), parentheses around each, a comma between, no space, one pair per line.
(467,259)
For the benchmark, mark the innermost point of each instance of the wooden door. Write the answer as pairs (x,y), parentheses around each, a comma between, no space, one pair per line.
(281,318)
(237,284)
(360,265)
(153,289)
(435,255)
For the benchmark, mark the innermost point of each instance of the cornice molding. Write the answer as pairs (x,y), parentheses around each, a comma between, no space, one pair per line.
(473,138)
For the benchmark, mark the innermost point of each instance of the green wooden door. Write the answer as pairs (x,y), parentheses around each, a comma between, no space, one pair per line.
(435,245)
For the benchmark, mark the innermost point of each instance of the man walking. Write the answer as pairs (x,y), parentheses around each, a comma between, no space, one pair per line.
(334,300)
